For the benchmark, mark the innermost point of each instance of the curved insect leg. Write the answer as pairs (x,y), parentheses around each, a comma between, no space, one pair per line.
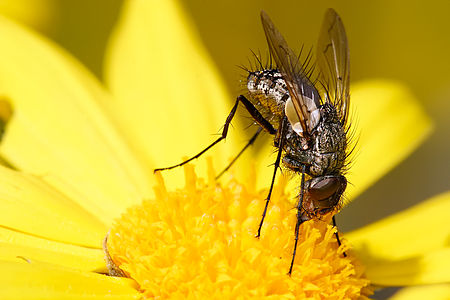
(249,143)
(279,144)
(253,112)
(300,218)
(337,234)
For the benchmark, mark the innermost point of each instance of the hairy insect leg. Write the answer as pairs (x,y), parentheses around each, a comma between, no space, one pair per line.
(337,234)
(280,143)
(249,143)
(253,112)
(300,218)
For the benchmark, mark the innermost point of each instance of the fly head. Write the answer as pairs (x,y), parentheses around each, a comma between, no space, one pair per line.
(323,194)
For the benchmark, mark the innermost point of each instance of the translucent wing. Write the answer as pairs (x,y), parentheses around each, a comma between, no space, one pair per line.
(333,59)
(292,72)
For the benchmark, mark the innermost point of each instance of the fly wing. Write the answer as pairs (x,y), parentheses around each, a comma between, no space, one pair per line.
(333,59)
(291,69)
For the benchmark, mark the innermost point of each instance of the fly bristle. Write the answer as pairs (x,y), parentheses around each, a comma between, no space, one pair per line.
(243,67)
(257,59)
(352,139)
(305,66)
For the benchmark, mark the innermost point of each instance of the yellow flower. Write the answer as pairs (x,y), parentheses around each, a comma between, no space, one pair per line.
(201,241)
(81,155)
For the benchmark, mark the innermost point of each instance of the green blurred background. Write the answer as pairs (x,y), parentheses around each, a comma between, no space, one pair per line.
(408,41)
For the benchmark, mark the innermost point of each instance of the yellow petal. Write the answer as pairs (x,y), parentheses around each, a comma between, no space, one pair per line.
(30,205)
(38,13)
(58,131)
(429,268)
(418,230)
(429,292)
(45,281)
(15,244)
(389,124)
(170,99)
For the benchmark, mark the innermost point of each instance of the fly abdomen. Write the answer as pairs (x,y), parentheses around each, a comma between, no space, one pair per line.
(268,92)
(268,84)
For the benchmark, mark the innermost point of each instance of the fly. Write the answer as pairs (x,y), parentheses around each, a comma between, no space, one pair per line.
(308,118)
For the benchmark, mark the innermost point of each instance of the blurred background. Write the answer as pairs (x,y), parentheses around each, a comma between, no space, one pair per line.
(407,41)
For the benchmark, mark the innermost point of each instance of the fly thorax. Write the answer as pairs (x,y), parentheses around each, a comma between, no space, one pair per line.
(329,142)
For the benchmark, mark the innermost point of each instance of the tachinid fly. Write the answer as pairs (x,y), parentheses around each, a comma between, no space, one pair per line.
(307,117)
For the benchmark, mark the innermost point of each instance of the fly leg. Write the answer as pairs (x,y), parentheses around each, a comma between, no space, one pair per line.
(279,143)
(300,218)
(249,143)
(253,112)
(337,235)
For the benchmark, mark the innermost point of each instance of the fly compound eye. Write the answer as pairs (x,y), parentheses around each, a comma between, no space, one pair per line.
(326,191)
(324,188)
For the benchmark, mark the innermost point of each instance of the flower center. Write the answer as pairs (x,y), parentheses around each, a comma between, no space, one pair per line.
(200,242)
